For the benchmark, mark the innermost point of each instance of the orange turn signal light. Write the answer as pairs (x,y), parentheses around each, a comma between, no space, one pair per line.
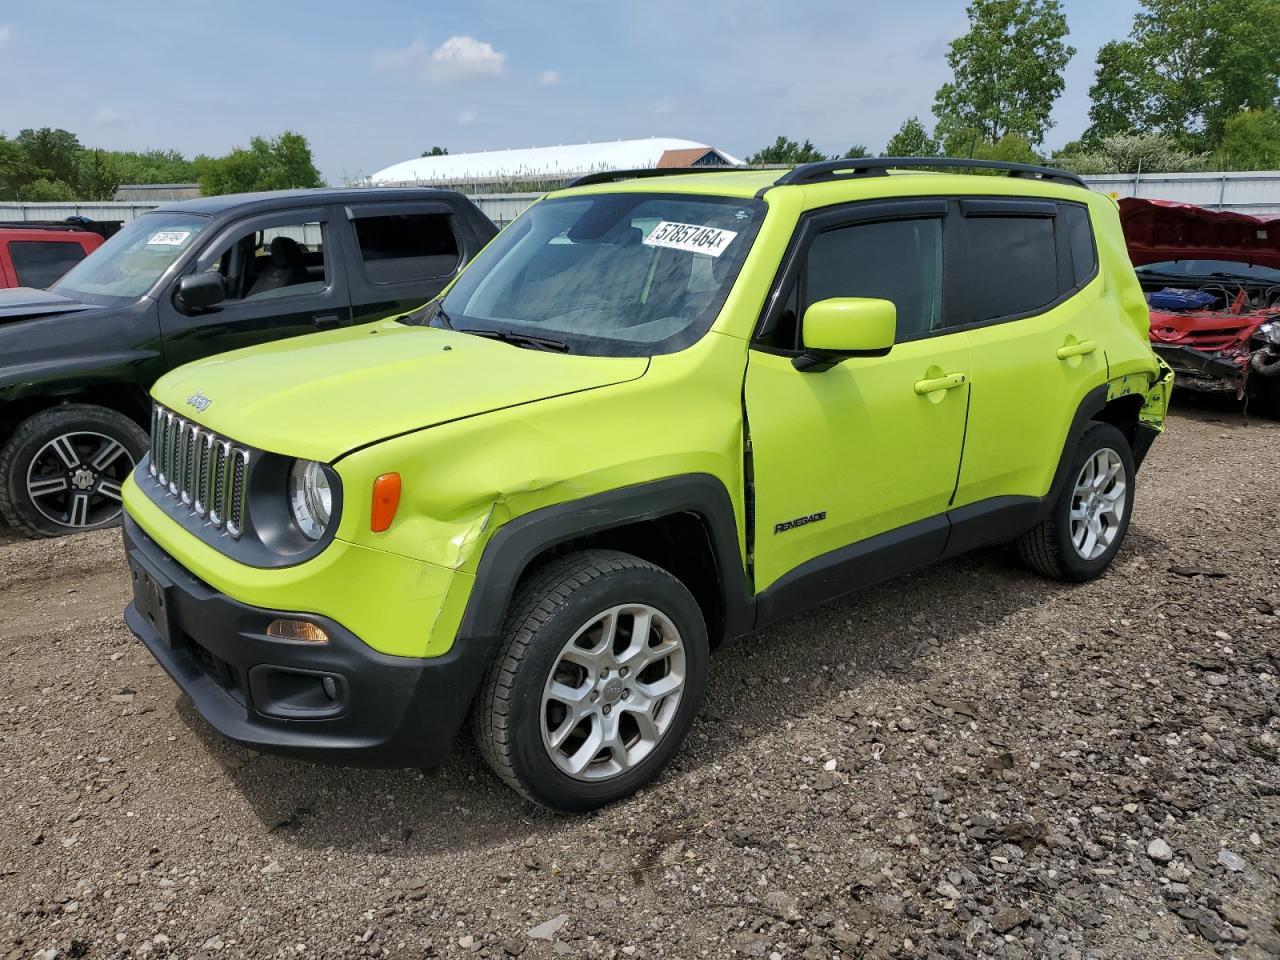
(386,500)
(297,630)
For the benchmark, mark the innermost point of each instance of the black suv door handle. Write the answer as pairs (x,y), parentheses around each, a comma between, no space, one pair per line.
(326,321)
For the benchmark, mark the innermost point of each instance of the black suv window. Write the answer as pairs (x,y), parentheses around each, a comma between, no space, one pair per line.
(274,262)
(413,246)
(40,263)
(1011,266)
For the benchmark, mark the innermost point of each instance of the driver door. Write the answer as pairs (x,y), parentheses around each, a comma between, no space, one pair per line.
(315,296)
(855,466)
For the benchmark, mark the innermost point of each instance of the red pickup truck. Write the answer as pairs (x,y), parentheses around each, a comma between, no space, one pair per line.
(38,254)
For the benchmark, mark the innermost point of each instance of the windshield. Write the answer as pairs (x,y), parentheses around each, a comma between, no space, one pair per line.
(129,264)
(627,274)
(1210,268)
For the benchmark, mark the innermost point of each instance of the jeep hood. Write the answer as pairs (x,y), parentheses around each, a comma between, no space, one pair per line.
(323,395)
(26,303)
(1159,230)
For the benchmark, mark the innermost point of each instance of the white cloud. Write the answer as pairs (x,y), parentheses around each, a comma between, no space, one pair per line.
(457,59)
(6,34)
(467,117)
(548,78)
(660,108)
(104,116)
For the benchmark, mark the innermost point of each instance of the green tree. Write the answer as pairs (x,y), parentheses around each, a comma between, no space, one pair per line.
(54,153)
(912,140)
(856,152)
(151,166)
(1007,73)
(787,151)
(1187,67)
(281,163)
(1250,141)
(96,177)
(436,152)
(1130,153)
(13,168)
(1010,148)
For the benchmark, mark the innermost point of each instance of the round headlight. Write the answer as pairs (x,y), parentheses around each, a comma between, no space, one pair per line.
(310,498)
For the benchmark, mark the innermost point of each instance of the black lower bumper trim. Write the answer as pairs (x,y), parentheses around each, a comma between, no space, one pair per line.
(339,701)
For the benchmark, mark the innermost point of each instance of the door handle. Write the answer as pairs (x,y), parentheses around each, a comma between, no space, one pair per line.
(949,382)
(1084,347)
(326,321)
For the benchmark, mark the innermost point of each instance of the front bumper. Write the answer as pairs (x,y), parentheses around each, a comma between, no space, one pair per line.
(1198,369)
(340,701)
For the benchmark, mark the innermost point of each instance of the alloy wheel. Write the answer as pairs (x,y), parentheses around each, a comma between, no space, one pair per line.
(1098,504)
(613,692)
(76,480)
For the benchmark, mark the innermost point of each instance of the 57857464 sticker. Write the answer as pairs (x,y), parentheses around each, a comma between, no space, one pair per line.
(690,237)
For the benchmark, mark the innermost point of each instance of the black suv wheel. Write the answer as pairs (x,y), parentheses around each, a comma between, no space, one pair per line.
(600,672)
(1083,533)
(62,470)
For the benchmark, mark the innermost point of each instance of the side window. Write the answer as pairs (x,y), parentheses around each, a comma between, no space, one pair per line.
(41,263)
(279,261)
(899,261)
(1012,266)
(414,246)
(1077,229)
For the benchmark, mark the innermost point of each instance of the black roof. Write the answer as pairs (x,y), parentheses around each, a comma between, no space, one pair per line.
(275,199)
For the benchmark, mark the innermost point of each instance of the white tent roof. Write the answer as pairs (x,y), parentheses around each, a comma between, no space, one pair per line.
(540,162)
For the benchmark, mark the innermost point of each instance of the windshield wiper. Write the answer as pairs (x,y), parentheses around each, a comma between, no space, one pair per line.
(519,339)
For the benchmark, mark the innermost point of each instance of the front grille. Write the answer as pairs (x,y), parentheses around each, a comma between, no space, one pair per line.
(199,469)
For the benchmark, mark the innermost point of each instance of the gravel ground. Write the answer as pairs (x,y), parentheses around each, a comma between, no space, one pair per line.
(968,762)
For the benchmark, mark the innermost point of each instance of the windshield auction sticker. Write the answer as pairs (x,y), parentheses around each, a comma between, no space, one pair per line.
(690,237)
(169,238)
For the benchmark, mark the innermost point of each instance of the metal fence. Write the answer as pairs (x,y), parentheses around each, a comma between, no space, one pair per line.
(1256,193)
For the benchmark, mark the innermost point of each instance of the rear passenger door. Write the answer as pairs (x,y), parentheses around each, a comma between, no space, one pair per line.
(401,255)
(1037,339)
(282,278)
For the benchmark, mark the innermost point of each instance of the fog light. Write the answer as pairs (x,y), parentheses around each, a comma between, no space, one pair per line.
(297,630)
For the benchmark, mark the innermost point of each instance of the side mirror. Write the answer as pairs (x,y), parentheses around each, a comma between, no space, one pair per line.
(199,291)
(845,327)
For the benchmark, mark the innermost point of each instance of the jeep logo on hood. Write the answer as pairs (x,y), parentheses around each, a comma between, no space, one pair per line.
(199,401)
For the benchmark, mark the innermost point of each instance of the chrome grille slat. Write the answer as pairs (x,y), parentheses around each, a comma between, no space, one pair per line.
(205,473)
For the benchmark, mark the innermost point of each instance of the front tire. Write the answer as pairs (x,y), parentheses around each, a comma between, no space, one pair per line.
(1089,520)
(62,470)
(600,673)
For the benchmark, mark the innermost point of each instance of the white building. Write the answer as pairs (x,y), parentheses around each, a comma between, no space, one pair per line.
(541,165)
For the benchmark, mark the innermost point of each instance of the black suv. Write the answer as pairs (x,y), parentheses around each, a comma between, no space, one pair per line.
(182,282)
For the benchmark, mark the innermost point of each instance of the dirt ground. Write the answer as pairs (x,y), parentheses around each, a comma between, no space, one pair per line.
(968,762)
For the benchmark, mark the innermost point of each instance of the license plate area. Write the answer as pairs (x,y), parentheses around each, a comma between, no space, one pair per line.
(152,596)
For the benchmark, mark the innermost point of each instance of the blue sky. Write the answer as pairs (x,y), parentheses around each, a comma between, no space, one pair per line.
(374,83)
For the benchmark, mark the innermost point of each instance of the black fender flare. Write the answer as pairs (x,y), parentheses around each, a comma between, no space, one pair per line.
(1094,402)
(516,543)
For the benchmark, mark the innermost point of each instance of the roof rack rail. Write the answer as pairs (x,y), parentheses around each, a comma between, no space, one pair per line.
(880,166)
(612,176)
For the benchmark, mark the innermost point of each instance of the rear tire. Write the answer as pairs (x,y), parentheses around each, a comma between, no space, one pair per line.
(61,470)
(578,709)
(1089,520)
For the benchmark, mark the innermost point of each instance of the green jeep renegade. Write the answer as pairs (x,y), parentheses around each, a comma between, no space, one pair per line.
(654,414)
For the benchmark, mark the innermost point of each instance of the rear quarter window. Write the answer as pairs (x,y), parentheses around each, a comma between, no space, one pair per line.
(1078,231)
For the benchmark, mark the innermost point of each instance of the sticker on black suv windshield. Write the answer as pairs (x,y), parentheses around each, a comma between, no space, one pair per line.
(169,238)
(690,237)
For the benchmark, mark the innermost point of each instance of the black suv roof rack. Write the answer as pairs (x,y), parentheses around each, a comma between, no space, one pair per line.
(880,166)
(612,176)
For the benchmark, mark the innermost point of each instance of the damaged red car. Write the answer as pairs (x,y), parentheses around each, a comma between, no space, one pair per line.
(1212,281)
